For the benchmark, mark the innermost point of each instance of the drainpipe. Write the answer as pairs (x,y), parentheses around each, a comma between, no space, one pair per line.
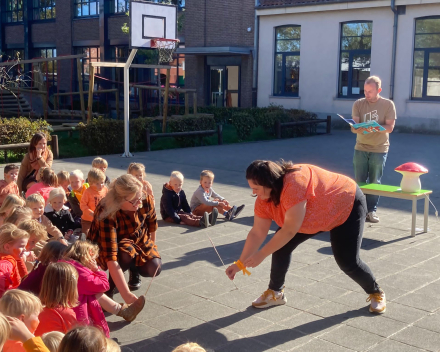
(255,58)
(393,56)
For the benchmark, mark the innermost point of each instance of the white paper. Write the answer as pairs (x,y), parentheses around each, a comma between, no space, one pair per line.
(344,90)
(355,90)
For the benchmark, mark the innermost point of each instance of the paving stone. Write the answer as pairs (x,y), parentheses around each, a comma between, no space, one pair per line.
(236,299)
(322,290)
(377,324)
(310,324)
(176,299)
(394,346)
(353,338)
(432,290)
(430,322)
(138,332)
(410,279)
(302,301)
(343,281)
(275,314)
(173,323)
(177,281)
(246,345)
(208,289)
(420,301)
(418,337)
(211,311)
(403,313)
(248,325)
(315,272)
(318,345)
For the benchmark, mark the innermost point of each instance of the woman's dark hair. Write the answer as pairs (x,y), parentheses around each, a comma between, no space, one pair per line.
(34,141)
(52,252)
(270,174)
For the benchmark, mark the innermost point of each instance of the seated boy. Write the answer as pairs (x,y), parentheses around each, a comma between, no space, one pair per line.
(174,207)
(9,184)
(101,164)
(24,306)
(37,240)
(206,199)
(78,187)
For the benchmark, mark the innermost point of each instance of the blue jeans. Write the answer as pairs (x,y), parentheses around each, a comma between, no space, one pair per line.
(368,168)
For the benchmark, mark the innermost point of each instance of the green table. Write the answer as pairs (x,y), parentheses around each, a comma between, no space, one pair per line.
(396,192)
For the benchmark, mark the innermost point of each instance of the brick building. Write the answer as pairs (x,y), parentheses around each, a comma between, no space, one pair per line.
(219,43)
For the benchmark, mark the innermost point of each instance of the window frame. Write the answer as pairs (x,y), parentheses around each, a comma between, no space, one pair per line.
(16,11)
(39,7)
(351,53)
(54,72)
(115,7)
(284,54)
(426,67)
(88,59)
(82,3)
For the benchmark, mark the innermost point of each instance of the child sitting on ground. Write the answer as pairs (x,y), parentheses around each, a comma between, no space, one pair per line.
(206,199)
(78,187)
(18,215)
(9,204)
(64,180)
(112,346)
(48,180)
(189,347)
(138,171)
(101,164)
(13,243)
(83,339)
(52,252)
(9,184)
(36,203)
(37,239)
(52,340)
(24,306)
(60,217)
(59,296)
(91,197)
(92,283)
(174,207)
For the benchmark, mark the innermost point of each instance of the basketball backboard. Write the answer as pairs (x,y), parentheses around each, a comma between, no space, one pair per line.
(150,20)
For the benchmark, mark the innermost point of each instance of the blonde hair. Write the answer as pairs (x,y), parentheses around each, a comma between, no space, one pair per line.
(17,302)
(78,173)
(206,173)
(112,346)
(64,294)
(189,347)
(52,340)
(11,201)
(48,177)
(95,175)
(57,192)
(120,189)
(18,215)
(82,251)
(5,330)
(176,174)
(34,228)
(63,176)
(10,233)
(35,198)
(97,162)
(374,80)
(136,167)
(83,339)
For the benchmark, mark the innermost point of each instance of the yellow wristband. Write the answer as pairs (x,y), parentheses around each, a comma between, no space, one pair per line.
(242,267)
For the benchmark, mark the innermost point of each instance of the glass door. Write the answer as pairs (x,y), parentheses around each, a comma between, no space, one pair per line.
(225,86)
(217,85)
(232,82)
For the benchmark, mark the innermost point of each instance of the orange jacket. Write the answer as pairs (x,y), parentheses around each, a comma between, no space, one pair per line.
(11,272)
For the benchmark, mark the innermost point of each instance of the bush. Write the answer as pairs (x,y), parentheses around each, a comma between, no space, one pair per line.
(20,130)
(106,136)
(184,124)
(244,124)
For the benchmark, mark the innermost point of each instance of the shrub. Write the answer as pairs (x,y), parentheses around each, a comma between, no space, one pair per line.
(20,130)
(184,124)
(244,124)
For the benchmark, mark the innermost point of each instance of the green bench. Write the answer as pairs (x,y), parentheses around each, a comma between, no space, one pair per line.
(396,192)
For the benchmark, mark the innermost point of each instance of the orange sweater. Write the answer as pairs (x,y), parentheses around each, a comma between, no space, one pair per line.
(6,189)
(90,200)
(11,272)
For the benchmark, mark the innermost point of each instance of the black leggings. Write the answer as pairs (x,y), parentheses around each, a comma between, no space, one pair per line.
(346,241)
(147,270)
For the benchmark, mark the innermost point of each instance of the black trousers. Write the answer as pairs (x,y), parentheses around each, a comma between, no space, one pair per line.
(346,241)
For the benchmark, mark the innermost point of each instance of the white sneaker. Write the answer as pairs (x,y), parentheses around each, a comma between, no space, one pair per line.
(270,298)
(372,217)
(378,302)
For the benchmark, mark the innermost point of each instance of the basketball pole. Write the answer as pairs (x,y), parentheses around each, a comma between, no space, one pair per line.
(127,65)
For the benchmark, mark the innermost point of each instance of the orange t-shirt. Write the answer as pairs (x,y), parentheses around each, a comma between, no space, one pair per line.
(13,346)
(6,189)
(329,196)
(56,319)
(90,200)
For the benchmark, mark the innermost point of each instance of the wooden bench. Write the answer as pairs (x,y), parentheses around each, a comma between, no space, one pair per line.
(279,125)
(53,143)
(396,192)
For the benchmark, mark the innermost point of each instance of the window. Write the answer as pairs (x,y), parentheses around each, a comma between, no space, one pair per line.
(86,8)
(121,6)
(426,72)
(93,55)
(14,11)
(49,68)
(355,58)
(43,9)
(287,45)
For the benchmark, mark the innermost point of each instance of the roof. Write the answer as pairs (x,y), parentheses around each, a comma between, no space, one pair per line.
(289,3)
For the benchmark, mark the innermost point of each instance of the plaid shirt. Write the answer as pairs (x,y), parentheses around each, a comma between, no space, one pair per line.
(122,233)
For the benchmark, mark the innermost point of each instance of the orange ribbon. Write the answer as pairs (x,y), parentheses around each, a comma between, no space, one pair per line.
(242,267)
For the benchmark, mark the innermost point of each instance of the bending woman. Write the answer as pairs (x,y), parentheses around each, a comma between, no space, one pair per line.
(37,157)
(122,228)
(305,200)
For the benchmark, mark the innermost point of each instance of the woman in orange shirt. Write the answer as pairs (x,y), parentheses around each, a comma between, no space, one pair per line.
(305,200)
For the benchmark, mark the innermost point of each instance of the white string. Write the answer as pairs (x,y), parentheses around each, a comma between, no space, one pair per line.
(436,211)
(152,280)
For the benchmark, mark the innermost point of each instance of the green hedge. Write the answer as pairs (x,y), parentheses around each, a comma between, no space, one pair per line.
(244,124)
(184,124)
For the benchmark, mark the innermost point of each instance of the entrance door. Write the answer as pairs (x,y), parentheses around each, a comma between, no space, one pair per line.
(225,86)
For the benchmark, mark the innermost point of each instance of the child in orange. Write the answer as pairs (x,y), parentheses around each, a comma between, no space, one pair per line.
(91,197)
(59,295)
(63,180)
(77,188)
(9,184)
(138,171)
(11,202)
(13,243)
(101,164)
(24,306)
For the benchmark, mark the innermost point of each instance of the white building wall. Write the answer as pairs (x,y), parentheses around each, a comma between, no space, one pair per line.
(319,63)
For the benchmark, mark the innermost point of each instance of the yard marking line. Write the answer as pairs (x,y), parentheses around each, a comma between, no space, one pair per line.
(151,281)
(224,266)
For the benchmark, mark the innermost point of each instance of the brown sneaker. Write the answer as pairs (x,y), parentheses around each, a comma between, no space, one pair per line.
(130,311)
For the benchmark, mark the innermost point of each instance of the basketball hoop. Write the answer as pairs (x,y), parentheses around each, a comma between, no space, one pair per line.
(165,47)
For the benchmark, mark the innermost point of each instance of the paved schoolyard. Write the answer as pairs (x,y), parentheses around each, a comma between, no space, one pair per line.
(192,300)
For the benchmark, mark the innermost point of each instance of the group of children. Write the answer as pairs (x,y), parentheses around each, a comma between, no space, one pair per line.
(52,291)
